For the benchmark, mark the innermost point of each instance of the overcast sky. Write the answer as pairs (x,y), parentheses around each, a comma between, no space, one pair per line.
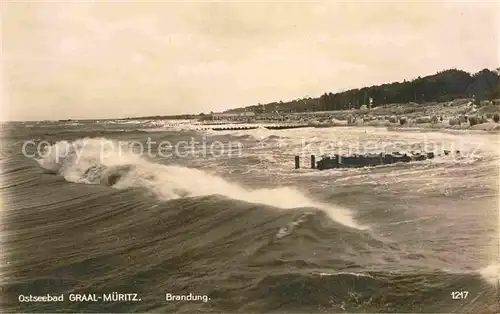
(100,59)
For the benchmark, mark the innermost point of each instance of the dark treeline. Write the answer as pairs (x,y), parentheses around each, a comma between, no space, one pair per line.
(442,86)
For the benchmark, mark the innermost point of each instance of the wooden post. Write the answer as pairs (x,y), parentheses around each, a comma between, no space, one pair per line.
(297,162)
(313,162)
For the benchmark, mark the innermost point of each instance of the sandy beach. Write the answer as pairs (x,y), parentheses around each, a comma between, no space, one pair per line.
(460,114)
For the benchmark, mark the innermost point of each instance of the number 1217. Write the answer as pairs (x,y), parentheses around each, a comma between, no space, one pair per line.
(459,295)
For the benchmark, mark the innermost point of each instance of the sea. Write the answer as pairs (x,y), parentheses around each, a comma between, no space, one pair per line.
(167,216)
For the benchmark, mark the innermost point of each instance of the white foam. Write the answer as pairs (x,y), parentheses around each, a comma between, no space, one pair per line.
(345,273)
(491,273)
(72,160)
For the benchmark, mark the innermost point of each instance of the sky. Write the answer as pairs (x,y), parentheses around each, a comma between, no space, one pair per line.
(90,59)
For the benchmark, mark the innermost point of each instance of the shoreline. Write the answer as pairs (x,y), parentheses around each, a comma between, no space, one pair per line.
(456,115)
(483,128)
(488,127)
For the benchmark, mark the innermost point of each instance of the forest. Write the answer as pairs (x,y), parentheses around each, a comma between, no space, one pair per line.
(440,87)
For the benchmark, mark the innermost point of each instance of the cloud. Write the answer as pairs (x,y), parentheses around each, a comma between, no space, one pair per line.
(105,59)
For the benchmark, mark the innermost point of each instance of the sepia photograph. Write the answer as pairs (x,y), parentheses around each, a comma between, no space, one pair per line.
(250,156)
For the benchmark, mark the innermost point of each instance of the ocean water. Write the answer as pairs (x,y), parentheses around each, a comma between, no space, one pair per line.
(224,215)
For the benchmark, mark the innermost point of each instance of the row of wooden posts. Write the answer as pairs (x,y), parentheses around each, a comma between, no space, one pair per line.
(313,162)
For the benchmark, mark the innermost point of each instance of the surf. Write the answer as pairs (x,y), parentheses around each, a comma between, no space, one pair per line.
(103,161)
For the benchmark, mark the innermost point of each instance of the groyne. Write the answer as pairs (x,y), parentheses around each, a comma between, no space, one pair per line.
(367,160)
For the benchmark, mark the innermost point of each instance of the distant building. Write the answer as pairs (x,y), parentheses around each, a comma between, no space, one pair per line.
(232,116)
(225,115)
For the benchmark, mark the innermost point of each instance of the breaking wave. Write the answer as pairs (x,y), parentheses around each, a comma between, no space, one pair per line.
(102,161)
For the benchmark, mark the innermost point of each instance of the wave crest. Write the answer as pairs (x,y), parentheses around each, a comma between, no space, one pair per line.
(96,161)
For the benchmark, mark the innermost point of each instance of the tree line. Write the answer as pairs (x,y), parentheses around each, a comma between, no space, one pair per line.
(440,87)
